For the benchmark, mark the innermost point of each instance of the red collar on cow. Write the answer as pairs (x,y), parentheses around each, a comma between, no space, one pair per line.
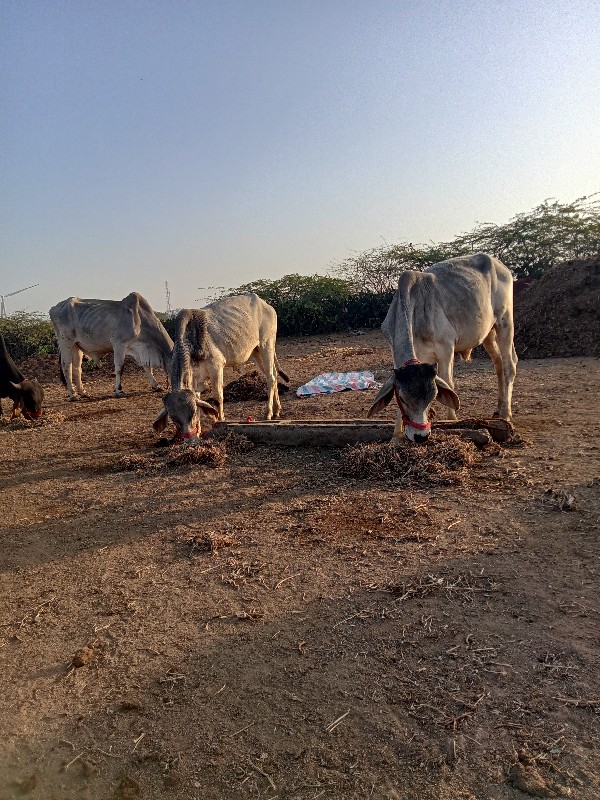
(410,361)
(180,436)
(32,414)
(420,426)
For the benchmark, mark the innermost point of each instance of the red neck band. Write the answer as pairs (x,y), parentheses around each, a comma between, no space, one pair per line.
(420,426)
(32,414)
(410,361)
(180,436)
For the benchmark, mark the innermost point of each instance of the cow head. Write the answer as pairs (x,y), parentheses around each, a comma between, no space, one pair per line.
(416,386)
(183,406)
(27,397)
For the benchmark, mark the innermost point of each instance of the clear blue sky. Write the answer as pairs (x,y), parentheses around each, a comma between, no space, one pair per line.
(212,143)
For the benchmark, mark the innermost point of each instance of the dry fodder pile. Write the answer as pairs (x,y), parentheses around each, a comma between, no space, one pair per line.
(234,443)
(557,316)
(251,386)
(20,423)
(210,454)
(444,460)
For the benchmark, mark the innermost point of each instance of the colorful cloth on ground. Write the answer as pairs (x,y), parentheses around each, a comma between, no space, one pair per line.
(330,382)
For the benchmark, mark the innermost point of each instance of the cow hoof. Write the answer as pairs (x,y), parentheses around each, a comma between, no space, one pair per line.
(120,394)
(156,389)
(73,398)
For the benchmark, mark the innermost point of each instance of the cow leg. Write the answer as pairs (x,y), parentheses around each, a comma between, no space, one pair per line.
(398,435)
(151,379)
(445,361)
(264,355)
(215,370)
(490,344)
(77,361)
(67,354)
(505,334)
(119,354)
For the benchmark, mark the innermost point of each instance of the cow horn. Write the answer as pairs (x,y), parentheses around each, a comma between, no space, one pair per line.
(18,386)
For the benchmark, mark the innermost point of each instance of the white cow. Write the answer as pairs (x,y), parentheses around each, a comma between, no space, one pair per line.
(227,332)
(97,327)
(449,308)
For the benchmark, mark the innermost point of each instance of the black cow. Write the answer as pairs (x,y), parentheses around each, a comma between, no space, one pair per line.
(27,396)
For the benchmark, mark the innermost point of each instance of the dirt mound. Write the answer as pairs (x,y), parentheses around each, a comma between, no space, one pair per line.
(46,369)
(557,316)
(251,386)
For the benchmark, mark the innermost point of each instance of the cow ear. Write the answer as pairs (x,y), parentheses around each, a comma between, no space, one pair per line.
(18,386)
(160,423)
(384,396)
(207,408)
(446,396)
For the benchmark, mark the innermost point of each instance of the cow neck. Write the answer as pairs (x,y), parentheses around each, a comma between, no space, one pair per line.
(180,364)
(403,343)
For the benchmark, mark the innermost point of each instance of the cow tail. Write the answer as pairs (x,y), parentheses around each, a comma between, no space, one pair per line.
(280,372)
(63,380)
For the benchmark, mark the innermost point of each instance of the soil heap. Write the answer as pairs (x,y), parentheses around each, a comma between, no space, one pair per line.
(558,316)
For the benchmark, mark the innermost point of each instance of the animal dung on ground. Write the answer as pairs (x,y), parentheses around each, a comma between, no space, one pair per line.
(208,542)
(82,657)
(251,386)
(441,461)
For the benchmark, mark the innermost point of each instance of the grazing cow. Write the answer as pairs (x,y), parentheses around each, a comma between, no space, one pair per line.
(449,308)
(97,327)
(27,396)
(225,333)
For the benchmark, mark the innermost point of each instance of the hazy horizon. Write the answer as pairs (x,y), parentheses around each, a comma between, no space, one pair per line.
(217,143)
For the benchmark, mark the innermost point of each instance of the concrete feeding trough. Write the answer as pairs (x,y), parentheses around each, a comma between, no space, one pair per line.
(340,432)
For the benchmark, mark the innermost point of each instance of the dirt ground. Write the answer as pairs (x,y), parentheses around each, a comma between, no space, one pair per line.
(271,628)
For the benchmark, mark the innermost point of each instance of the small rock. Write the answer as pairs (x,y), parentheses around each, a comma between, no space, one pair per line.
(26,785)
(130,704)
(88,767)
(127,789)
(527,779)
(171,781)
(82,657)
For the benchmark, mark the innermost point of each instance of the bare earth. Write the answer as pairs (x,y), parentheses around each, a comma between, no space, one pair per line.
(273,629)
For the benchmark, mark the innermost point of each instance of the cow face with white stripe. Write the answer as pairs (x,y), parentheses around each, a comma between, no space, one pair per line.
(415,386)
(183,406)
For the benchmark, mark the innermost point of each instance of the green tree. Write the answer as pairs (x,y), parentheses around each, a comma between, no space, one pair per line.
(28,334)
(529,244)
(304,303)
(532,242)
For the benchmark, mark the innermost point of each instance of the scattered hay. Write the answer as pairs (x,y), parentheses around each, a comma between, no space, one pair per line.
(208,542)
(235,443)
(135,463)
(562,499)
(211,454)
(22,424)
(251,386)
(463,585)
(440,461)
